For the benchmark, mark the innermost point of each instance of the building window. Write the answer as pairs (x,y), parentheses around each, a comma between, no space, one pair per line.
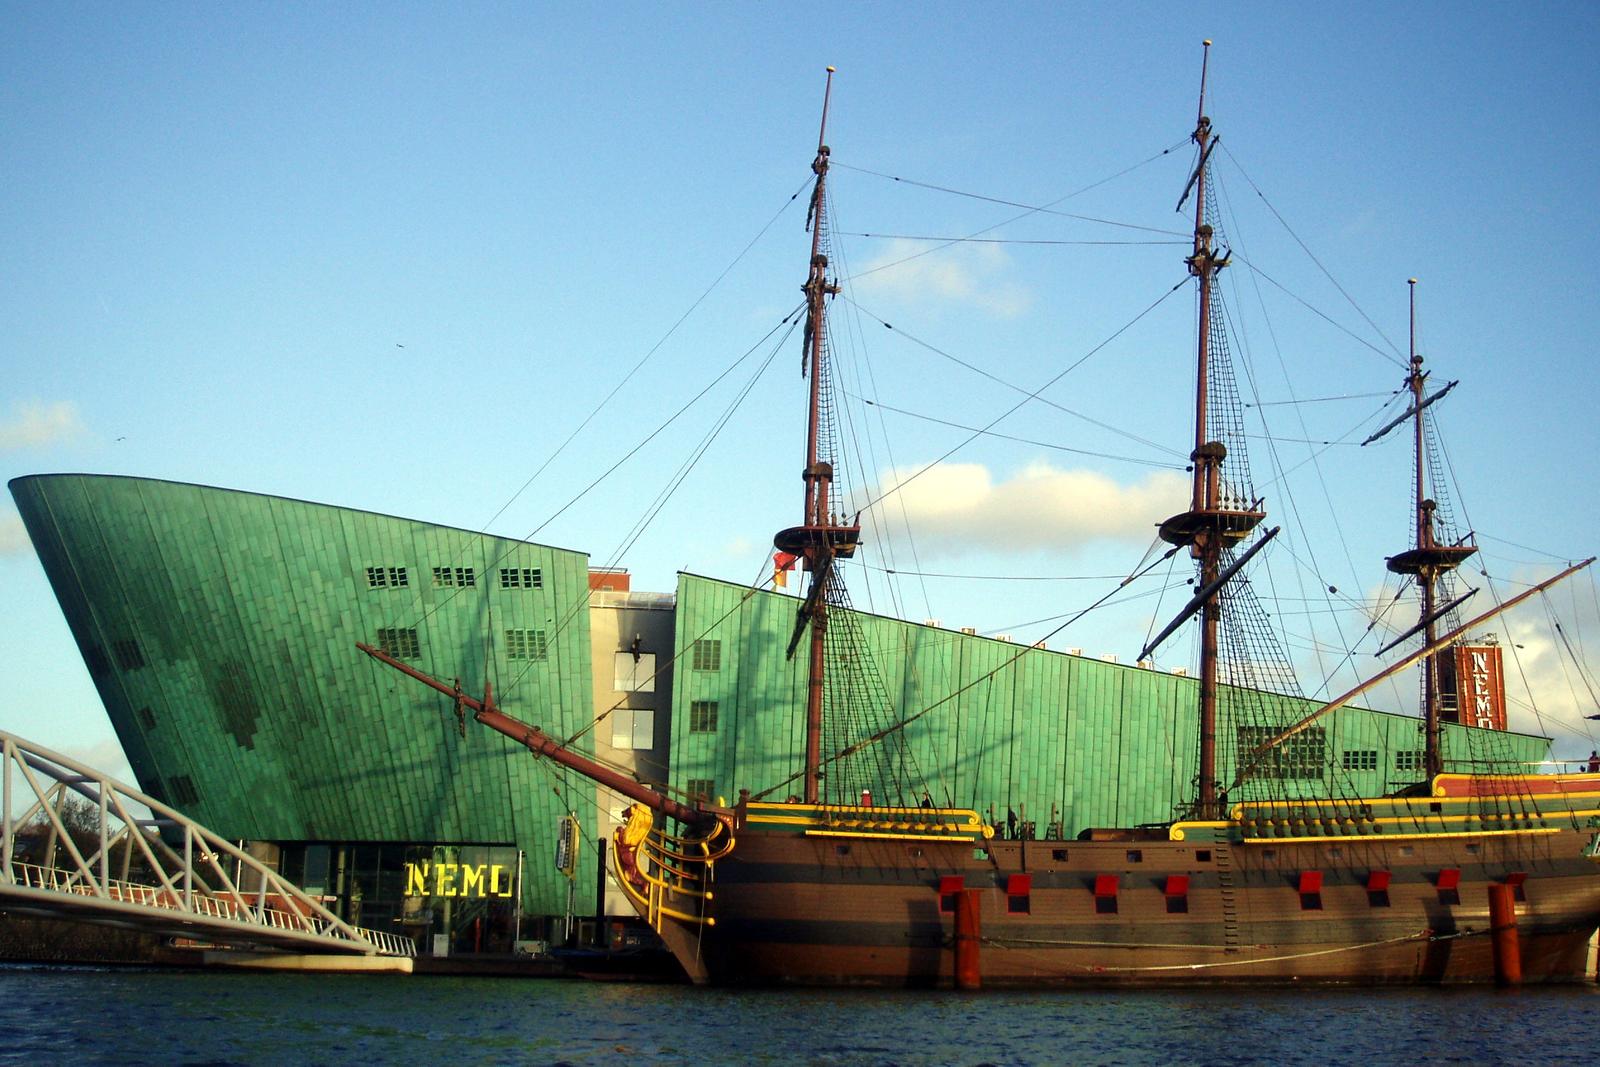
(702,716)
(633,672)
(387,578)
(633,728)
(183,791)
(400,642)
(521,578)
(701,788)
(147,718)
(525,644)
(1360,759)
(707,655)
(95,657)
(1408,760)
(1301,756)
(454,578)
(129,658)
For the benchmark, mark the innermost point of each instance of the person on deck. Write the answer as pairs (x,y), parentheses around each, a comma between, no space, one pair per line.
(1594,762)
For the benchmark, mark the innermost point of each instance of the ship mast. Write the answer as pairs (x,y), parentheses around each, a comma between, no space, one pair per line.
(1210,525)
(820,538)
(1428,560)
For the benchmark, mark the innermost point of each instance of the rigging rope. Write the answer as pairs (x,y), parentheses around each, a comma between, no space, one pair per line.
(1021,403)
(1020,440)
(1312,256)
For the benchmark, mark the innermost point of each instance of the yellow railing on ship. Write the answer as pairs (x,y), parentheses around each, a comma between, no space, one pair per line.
(918,823)
(1270,821)
(652,862)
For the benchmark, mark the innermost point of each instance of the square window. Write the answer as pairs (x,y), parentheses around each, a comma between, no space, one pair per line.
(1059,855)
(95,657)
(1178,905)
(1105,905)
(633,672)
(400,642)
(1019,905)
(1310,901)
(633,728)
(1202,855)
(702,716)
(147,718)
(521,578)
(183,791)
(701,788)
(1298,757)
(1135,856)
(707,655)
(129,656)
(526,644)
(1360,759)
(387,578)
(454,577)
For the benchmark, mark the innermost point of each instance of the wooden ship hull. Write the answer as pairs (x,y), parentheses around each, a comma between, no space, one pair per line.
(1196,904)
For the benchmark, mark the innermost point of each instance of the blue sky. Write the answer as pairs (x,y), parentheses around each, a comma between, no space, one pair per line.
(390,257)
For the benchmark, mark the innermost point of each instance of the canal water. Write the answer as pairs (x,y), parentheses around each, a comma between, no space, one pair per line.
(50,1016)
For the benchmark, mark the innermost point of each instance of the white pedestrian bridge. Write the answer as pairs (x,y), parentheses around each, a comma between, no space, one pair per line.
(78,845)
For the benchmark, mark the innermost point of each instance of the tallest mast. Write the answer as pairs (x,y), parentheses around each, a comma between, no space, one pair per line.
(820,538)
(1209,526)
(1429,560)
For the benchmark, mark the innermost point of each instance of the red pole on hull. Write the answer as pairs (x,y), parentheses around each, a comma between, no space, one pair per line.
(1503,932)
(967,925)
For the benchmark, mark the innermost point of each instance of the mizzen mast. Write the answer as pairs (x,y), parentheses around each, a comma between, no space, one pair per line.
(1428,560)
(1214,521)
(821,537)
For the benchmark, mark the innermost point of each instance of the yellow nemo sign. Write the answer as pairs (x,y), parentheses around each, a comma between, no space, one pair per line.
(459,880)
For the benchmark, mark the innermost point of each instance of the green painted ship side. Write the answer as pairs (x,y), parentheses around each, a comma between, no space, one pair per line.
(220,629)
(1106,744)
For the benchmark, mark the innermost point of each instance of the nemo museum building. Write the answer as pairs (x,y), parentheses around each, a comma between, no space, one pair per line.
(220,629)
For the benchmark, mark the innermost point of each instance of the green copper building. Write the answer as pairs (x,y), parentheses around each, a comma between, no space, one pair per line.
(220,628)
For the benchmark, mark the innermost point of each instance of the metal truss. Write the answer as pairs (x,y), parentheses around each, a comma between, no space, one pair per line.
(164,873)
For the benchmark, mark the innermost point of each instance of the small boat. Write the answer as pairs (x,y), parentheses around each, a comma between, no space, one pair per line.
(1458,878)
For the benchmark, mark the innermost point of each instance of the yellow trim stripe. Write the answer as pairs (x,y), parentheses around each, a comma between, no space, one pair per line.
(1324,838)
(862,835)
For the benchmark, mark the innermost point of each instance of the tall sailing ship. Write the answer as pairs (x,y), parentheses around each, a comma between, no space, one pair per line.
(1459,878)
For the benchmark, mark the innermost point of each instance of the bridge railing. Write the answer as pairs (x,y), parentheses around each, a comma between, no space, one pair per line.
(188,866)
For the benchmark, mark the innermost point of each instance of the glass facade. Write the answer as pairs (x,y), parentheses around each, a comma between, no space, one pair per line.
(450,899)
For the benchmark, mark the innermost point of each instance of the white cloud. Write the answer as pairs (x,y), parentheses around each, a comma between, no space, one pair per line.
(967,274)
(13,537)
(105,756)
(35,425)
(1558,688)
(1040,507)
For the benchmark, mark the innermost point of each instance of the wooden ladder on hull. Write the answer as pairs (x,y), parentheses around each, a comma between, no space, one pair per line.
(1223,856)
